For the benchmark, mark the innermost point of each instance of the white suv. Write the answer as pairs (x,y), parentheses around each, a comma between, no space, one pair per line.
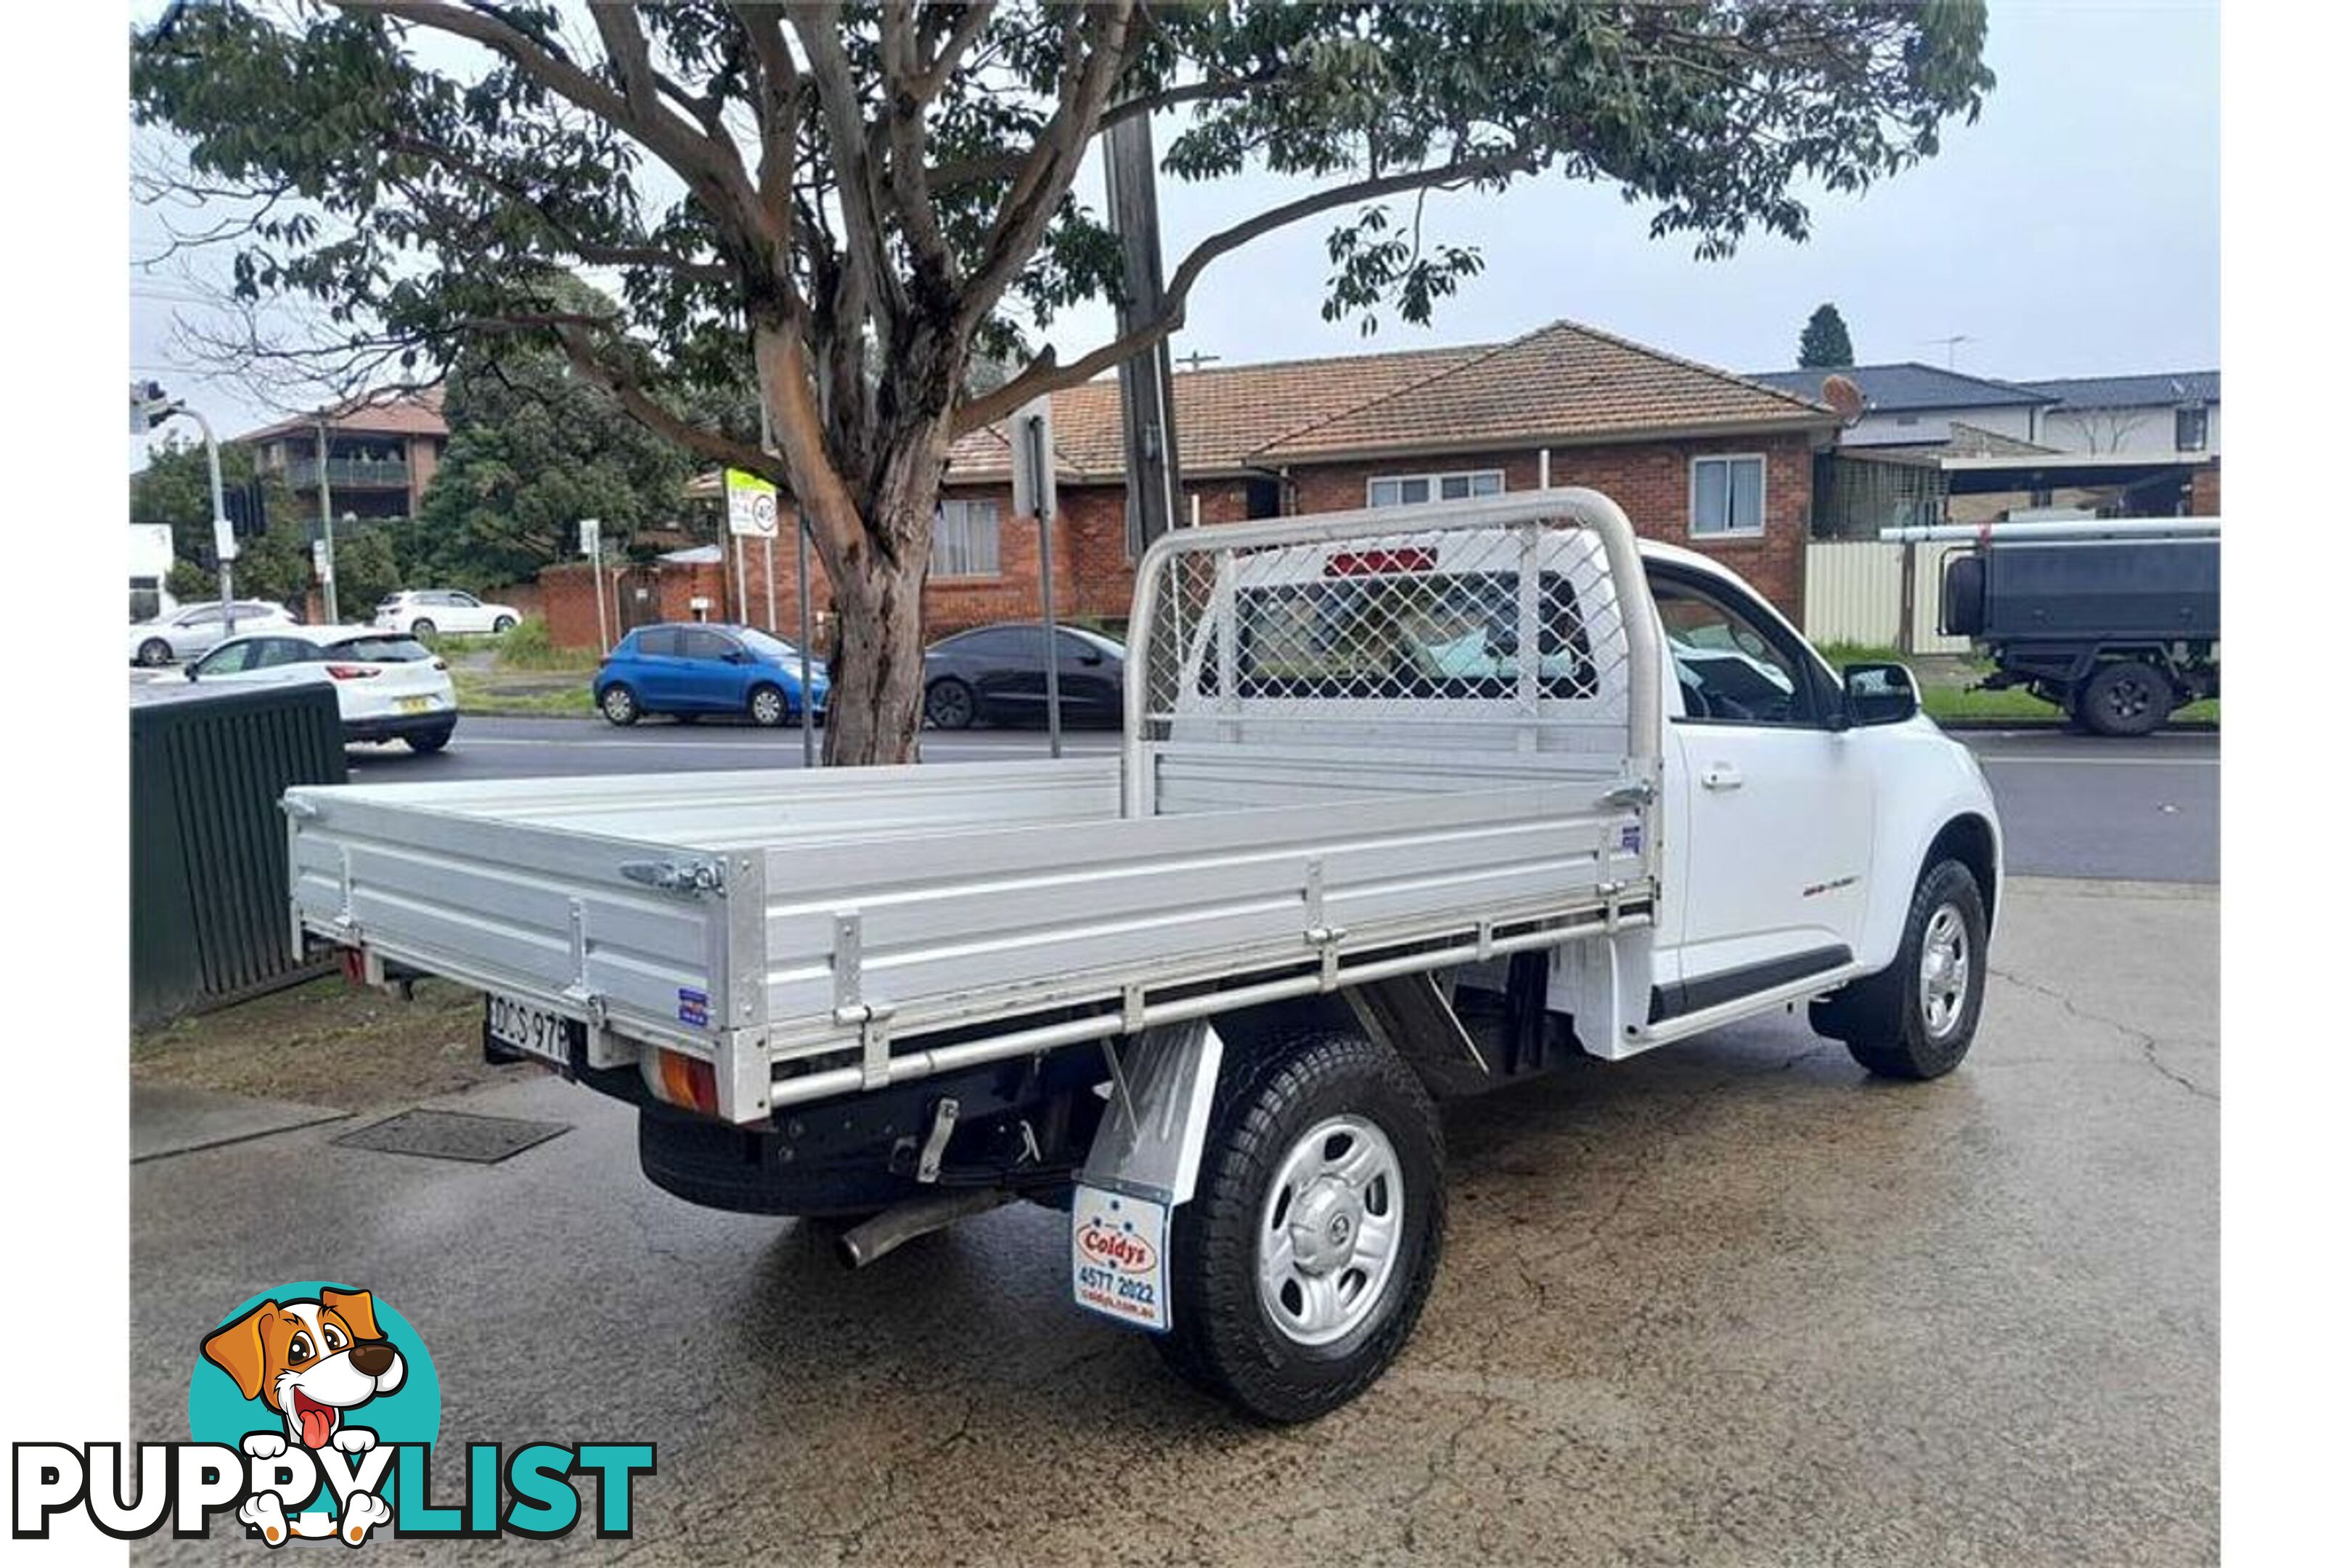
(426,612)
(388,686)
(192,628)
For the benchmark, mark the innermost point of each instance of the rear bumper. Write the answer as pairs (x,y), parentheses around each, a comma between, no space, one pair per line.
(400,726)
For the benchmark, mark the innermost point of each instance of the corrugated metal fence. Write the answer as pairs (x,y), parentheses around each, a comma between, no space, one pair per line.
(208,901)
(1854,593)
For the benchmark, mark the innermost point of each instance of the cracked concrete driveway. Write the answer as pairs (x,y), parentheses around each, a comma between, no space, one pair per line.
(1730,1303)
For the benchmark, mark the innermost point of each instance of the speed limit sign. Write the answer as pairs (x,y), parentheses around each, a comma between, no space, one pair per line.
(750,505)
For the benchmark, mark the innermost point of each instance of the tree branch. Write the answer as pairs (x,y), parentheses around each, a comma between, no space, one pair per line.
(1047,375)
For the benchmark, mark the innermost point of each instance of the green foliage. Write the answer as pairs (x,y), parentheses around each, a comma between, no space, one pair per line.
(365,571)
(533,449)
(1825,344)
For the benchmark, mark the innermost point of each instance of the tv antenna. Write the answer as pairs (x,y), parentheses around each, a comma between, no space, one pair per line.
(1951,344)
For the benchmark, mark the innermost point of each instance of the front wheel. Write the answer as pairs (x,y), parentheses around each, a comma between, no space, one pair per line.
(502,625)
(1916,1018)
(619,704)
(154,651)
(768,708)
(1298,1269)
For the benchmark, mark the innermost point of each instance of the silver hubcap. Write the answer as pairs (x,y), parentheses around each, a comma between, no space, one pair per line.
(1327,1239)
(767,707)
(1943,970)
(617,704)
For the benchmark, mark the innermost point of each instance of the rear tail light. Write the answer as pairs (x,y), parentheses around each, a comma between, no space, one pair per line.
(689,1082)
(352,672)
(440,664)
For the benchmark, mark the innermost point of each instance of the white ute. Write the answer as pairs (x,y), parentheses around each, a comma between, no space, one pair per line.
(1412,802)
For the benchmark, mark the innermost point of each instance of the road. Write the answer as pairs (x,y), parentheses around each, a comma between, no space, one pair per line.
(2072,805)
(1731,1302)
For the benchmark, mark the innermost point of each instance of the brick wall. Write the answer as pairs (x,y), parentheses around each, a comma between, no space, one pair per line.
(1650,479)
(2205,490)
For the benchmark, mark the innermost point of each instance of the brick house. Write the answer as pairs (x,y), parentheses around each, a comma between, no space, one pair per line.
(381,454)
(1696,456)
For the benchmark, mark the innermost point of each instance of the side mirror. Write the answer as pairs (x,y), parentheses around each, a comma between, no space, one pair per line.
(1880,694)
(189,671)
(1090,657)
(738,656)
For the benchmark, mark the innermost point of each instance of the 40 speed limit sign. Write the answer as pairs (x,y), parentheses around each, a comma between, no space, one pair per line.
(750,505)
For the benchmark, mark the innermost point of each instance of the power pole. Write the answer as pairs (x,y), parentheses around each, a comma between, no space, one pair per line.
(1147,398)
(326,531)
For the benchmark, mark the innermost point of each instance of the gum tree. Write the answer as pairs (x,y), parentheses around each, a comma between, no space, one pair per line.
(819,189)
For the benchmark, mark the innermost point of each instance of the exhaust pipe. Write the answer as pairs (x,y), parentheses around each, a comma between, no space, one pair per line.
(897,1226)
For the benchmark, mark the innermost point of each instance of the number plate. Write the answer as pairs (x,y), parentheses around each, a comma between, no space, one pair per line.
(415,704)
(1118,1257)
(534,1031)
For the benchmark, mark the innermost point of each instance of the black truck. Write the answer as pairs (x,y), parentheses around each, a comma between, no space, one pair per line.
(2118,631)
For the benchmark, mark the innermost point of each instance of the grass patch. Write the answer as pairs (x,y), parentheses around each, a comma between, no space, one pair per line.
(526,647)
(486,694)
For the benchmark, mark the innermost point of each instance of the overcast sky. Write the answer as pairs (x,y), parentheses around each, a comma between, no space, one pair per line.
(2076,229)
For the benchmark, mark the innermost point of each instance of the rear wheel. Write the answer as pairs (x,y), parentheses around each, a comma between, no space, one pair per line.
(421,627)
(430,740)
(768,708)
(949,704)
(154,651)
(1298,1269)
(619,704)
(2128,698)
(1917,1018)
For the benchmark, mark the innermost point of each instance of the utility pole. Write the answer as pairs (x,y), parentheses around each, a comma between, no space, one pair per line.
(327,531)
(1146,397)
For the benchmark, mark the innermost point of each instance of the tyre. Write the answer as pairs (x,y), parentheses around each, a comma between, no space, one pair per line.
(2128,698)
(1298,1269)
(430,740)
(1917,1018)
(619,704)
(154,651)
(949,704)
(502,625)
(767,707)
(421,628)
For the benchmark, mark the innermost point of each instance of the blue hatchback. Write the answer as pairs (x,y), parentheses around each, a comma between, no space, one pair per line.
(695,669)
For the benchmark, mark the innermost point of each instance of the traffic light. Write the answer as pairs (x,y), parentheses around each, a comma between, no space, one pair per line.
(149,406)
(247,506)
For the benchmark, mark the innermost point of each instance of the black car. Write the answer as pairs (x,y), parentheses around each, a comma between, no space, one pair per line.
(996,675)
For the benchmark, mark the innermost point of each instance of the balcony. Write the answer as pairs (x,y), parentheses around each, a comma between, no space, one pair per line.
(380,473)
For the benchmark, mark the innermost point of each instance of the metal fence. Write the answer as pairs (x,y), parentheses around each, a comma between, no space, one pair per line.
(1854,593)
(209,920)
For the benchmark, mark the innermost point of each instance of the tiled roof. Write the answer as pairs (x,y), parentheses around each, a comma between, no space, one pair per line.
(407,414)
(1224,415)
(2164,389)
(1893,388)
(1563,382)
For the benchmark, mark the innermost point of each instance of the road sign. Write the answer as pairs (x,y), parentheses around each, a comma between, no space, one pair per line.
(322,561)
(591,529)
(1033,458)
(751,506)
(224,539)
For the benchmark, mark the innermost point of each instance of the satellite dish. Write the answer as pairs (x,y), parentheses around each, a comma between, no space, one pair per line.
(1840,393)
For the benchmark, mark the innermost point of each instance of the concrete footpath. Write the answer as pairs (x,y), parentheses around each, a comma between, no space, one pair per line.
(1729,1303)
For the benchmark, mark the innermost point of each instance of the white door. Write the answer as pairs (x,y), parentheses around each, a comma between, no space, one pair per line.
(465,615)
(1775,809)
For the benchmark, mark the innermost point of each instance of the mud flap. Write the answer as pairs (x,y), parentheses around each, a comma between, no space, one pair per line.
(1144,1161)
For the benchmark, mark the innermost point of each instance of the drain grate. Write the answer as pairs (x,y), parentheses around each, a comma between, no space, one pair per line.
(453,1135)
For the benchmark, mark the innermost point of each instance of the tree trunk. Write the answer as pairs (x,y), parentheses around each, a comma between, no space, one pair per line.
(874,709)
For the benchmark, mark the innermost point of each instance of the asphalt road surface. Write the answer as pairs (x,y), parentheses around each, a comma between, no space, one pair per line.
(1731,1302)
(2072,805)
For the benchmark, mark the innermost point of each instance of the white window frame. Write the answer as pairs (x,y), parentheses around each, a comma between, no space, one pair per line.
(1763,495)
(995,565)
(1502,483)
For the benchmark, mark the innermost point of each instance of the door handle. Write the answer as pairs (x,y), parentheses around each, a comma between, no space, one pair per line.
(1721,775)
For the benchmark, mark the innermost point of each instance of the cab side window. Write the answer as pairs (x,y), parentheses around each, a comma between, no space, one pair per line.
(1730,667)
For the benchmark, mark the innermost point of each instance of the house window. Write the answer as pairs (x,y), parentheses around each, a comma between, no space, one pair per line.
(1412,490)
(1727,496)
(963,540)
(2189,429)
